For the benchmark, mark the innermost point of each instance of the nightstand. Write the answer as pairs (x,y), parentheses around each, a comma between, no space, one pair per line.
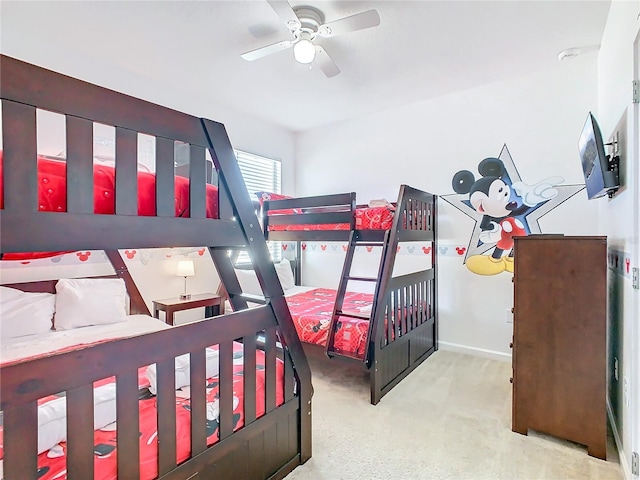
(214,305)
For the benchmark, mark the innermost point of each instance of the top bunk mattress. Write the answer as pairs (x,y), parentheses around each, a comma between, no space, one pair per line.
(367,218)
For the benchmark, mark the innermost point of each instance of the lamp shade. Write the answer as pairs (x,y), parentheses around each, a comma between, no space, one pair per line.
(304,51)
(185,268)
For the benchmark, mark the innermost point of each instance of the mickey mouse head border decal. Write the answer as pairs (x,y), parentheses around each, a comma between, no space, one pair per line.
(503,206)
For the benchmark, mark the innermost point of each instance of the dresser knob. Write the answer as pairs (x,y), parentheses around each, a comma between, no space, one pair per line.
(511,380)
(511,345)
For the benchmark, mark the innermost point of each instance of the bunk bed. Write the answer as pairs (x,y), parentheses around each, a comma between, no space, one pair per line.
(274,434)
(389,332)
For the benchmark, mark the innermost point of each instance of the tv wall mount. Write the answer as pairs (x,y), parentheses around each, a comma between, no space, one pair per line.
(613,161)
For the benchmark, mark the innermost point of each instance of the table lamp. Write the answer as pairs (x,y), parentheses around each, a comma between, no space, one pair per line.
(185,269)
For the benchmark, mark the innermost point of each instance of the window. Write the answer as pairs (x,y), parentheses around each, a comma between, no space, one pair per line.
(261,174)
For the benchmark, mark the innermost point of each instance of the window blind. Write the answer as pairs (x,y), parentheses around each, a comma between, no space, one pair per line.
(260,174)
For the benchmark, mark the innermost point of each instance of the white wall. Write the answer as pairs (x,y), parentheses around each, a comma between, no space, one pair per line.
(424,144)
(619,220)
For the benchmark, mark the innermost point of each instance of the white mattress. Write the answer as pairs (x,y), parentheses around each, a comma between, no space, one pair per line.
(45,343)
(287,293)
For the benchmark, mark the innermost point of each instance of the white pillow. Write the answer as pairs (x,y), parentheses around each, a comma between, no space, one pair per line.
(249,281)
(183,372)
(285,274)
(250,284)
(81,302)
(25,313)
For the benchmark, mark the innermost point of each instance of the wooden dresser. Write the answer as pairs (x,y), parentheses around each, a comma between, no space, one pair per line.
(559,338)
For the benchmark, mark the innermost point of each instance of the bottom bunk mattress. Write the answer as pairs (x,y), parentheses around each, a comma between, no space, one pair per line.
(20,349)
(311,312)
(52,411)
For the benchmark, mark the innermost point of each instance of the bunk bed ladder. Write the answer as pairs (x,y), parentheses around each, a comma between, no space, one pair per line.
(354,241)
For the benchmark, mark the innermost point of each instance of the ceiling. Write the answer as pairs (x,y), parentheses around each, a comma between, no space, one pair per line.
(420,50)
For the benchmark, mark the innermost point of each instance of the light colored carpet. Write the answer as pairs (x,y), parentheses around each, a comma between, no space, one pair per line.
(449,419)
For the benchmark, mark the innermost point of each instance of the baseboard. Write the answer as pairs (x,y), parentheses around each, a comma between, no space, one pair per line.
(478,352)
(616,437)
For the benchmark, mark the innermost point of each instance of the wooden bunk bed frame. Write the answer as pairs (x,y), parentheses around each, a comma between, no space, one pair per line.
(395,347)
(266,447)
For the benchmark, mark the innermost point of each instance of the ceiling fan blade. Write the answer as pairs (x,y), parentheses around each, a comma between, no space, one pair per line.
(268,50)
(286,13)
(323,60)
(367,19)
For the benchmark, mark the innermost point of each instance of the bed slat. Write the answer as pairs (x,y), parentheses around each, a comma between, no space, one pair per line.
(226,389)
(249,373)
(270,366)
(80,407)
(165,178)
(418,305)
(126,172)
(390,321)
(128,425)
(80,162)
(19,157)
(20,460)
(198,401)
(166,404)
(405,300)
(197,186)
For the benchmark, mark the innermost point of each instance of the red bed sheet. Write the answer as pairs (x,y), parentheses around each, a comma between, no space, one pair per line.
(370,218)
(52,194)
(105,457)
(311,312)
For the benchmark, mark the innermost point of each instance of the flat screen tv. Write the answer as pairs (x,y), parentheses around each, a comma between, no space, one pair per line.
(600,176)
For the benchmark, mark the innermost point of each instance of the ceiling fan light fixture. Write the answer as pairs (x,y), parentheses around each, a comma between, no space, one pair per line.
(306,23)
(304,51)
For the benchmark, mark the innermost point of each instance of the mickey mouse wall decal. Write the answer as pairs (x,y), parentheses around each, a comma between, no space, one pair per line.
(503,207)
(492,197)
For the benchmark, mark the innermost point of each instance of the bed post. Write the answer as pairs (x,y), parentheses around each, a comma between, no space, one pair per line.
(434,263)
(230,180)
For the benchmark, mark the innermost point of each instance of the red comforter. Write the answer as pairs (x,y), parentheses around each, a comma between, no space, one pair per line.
(52,194)
(311,312)
(104,441)
(370,218)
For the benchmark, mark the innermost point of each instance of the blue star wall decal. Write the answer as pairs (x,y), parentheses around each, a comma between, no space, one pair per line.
(502,206)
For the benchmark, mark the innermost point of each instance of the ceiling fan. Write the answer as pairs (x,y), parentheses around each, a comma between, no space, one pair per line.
(306,23)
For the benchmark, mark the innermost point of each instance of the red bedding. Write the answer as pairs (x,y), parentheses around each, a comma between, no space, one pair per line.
(370,218)
(52,194)
(311,312)
(104,441)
